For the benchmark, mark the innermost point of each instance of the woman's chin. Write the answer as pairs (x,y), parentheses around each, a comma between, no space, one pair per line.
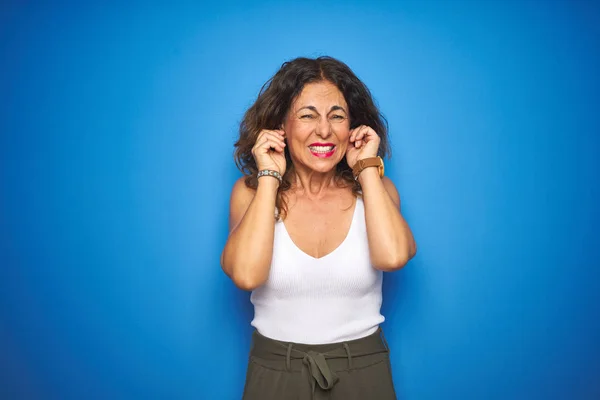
(323,167)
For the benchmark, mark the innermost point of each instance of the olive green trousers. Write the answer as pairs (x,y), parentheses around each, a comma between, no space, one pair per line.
(354,370)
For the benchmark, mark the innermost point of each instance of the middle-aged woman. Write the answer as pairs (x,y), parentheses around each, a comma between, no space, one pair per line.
(313,224)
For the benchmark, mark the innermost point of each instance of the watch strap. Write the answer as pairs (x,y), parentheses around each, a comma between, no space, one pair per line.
(367,163)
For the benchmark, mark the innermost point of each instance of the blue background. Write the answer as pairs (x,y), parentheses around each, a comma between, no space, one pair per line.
(117,127)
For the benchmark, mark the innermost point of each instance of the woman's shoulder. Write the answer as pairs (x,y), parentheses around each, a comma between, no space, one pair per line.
(240,189)
(241,197)
(240,186)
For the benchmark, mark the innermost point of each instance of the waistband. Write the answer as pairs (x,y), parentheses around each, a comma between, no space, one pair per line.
(314,357)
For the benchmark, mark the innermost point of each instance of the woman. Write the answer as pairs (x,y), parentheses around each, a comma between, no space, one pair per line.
(313,224)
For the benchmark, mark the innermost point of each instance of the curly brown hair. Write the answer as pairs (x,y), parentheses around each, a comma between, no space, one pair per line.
(275,99)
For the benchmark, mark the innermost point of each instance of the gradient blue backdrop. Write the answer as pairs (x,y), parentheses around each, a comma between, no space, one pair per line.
(117,127)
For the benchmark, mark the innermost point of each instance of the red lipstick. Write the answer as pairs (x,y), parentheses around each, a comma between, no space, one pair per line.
(313,147)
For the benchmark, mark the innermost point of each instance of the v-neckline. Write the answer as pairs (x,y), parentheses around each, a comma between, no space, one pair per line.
(332,251)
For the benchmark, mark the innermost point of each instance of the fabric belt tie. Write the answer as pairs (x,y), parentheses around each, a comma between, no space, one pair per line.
(319,370)
(315,367)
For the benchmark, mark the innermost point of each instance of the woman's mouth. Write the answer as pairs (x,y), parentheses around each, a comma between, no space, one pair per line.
(322,150)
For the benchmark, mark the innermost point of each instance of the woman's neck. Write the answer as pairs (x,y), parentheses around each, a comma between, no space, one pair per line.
(313,184)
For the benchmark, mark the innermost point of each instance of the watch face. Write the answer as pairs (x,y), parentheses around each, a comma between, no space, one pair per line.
(381,167)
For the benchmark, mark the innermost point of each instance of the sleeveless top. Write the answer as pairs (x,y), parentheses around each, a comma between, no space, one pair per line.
(309,300)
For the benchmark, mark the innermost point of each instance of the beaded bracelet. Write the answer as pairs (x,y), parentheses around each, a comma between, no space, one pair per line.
(270,172)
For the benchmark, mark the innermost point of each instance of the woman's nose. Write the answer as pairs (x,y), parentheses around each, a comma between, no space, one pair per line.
(323,128)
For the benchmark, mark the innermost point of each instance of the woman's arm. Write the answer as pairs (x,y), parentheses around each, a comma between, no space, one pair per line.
(391,243)
(246,258)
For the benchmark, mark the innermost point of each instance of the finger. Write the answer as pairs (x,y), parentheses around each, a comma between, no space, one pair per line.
(275,137)
(264,146)
(357,132)
(278,132)
(371,136)
(274,145)
(269,132)
(260,141)
(265,136)
(272,141)
(359,136)
(370,133)
(362,133)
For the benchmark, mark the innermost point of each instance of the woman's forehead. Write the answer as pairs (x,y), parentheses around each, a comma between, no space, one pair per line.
(318,94)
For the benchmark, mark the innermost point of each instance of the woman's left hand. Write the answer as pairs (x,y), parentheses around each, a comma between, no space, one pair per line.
(364,143)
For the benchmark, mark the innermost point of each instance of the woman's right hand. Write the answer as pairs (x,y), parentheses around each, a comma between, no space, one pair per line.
(268,151)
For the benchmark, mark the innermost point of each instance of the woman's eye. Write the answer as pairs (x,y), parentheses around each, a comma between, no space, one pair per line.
(306,116)
(338,117)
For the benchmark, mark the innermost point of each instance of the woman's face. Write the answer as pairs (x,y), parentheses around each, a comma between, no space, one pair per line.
(317,127)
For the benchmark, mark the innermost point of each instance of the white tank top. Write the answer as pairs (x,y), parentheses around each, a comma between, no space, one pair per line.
(323,300)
